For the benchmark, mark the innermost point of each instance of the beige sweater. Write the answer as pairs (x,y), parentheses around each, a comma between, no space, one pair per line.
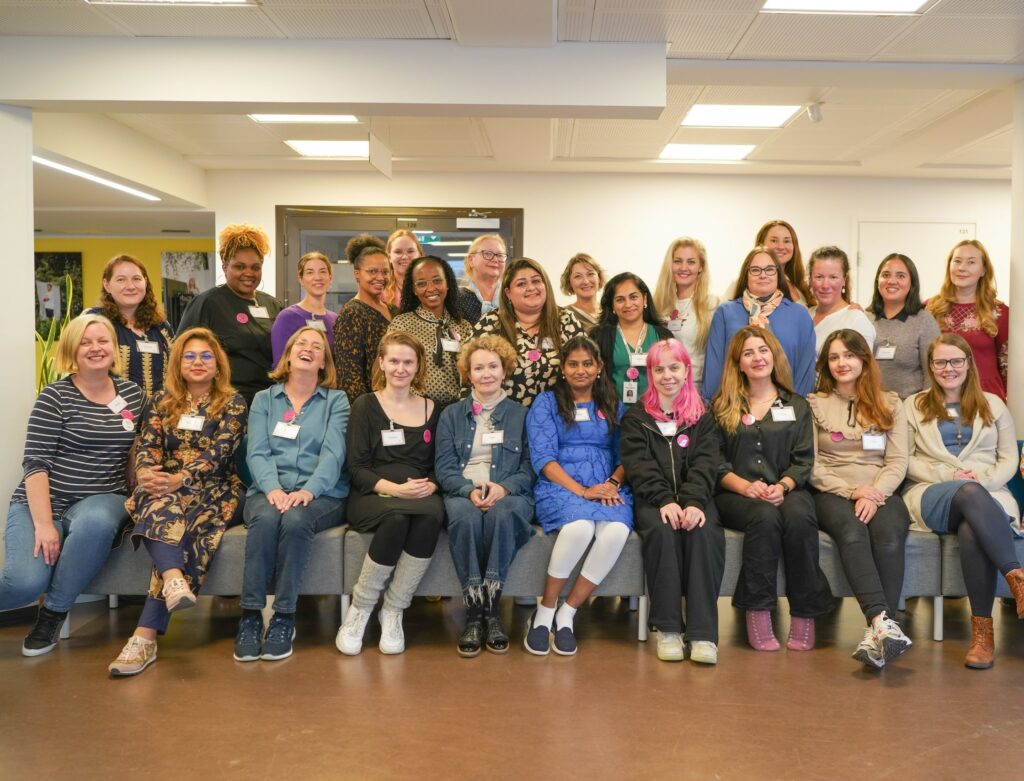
(991,454)
(839,467)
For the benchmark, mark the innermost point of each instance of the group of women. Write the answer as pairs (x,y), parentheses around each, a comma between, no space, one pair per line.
(486,406)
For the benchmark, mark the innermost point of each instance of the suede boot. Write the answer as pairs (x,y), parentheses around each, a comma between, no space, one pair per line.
(983,647)
(1015,579)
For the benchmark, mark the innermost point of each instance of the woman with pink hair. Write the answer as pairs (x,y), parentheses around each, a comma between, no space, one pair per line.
(670,450)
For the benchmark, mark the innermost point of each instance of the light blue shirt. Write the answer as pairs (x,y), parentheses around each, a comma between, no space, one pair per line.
(486,306)
(314,460)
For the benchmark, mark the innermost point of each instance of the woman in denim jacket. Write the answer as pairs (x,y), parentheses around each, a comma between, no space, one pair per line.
(483,466)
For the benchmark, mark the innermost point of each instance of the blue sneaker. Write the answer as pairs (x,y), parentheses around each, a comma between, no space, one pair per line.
(538,639)
(565,640)
(278,642)
(249,640)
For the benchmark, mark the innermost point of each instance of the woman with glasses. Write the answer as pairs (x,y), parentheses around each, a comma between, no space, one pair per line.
(402,247)
(430,313)
(315,275)
(364,319)
(485,263)
(963,453)
(763,298)
(829,270)
(187,491)
(583,278)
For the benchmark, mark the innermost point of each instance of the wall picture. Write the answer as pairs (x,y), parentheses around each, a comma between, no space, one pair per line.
(52,268)
(185,275)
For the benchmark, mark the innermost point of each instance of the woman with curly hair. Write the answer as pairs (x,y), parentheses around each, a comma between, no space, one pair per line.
(403,248)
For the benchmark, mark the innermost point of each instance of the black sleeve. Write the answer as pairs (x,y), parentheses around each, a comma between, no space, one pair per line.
(648,481)
(801,457)
(702,464)
(193,314)
(359,444)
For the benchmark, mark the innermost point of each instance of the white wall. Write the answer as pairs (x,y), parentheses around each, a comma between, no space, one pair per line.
(627,220)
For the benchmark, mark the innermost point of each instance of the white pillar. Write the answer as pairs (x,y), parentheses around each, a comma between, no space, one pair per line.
(17,315)
(1016,380)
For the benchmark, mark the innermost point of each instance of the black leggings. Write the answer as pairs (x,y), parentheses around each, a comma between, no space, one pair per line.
(986,544)
(415,534)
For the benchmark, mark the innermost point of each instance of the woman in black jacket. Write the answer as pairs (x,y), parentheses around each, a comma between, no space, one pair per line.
(670,451)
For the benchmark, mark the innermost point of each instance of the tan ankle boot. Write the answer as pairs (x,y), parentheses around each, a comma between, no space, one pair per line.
(1015,579)
(982,650)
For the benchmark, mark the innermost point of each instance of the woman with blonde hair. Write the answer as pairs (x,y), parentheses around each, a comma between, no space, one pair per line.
(187,491)
(402,248)
(315,275)
(485,263)
(583,277)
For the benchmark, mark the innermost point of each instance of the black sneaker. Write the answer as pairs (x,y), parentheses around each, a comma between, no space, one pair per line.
(565,640)
(278,642)
(43,637)
(249,640)
(538,639)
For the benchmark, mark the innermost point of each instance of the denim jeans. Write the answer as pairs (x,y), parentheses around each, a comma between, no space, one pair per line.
(483,544)
(87,530)
(279,546)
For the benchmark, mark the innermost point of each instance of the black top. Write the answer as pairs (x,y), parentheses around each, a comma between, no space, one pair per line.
(244,336)
(768,449)
(469,305)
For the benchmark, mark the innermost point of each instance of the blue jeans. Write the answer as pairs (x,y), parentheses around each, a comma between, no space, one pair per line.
(282,544)
(87,531)
(483,544)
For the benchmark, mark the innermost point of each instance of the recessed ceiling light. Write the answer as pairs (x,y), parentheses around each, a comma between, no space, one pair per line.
(702,152)
(305,118)
(173,2)
(93,178)
(350,149)
(708,115)
(843,6)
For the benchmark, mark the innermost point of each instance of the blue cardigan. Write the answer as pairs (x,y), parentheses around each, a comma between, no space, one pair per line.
(790,323)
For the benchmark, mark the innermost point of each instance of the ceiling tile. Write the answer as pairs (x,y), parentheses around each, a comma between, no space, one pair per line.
(430,137)
(818,36)
(688,35)
(398,19)
(575,19)
(948,39)
(1008,8)
(55,19)
(194,21)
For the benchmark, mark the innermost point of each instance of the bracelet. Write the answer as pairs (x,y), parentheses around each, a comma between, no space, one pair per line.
(785,488)
(584,494)
(614,482)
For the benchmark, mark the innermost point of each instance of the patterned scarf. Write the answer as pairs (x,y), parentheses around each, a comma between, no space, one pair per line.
(445,330)
(758,309)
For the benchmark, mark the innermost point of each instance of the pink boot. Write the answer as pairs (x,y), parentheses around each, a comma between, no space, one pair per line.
(801,634)
(759,631)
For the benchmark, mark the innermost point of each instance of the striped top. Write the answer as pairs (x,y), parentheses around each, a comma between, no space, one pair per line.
(82,446)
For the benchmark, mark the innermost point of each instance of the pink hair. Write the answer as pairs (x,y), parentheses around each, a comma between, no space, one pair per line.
(688,406)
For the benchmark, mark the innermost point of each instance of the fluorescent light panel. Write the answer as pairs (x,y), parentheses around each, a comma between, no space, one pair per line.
(449,243)
(93,178)
(705,152)
(713,115)
(843,6)
(345,149)
(309,119)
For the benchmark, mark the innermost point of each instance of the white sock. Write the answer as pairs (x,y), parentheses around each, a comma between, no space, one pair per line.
(565,615)
(543,617)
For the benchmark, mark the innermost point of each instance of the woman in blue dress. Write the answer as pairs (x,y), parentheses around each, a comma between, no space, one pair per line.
(574,447)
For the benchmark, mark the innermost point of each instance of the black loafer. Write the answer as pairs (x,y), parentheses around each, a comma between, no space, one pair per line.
(471,640)
(497,640)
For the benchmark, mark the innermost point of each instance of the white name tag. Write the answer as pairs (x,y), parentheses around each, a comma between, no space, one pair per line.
(259,312)
(146,346)
(638,359)
(886,353)
(494,437)
(286,430)
(629,391)
(782,414)
(317,324)
(390,437)
(674,325)
(191,422)
(667,427)
(582,414)
(450,345)
(873,442)
(117,404)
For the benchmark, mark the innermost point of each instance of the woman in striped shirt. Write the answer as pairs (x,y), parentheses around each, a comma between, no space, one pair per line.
(70,505)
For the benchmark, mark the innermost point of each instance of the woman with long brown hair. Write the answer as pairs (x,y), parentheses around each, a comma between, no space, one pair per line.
(402,248)
(780,236)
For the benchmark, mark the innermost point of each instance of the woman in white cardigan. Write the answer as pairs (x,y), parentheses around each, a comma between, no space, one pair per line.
(963,453)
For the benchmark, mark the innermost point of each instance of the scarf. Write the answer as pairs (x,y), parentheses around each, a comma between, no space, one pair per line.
(445,330)
(760,309)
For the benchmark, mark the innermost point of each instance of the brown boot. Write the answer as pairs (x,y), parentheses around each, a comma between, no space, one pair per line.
(1015,579)
(979,655)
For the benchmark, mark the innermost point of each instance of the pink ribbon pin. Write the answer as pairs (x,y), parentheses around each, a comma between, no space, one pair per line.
(600,414)
(674,315)
(632,373)
(127,414)
(289,416)
(747,420)
(242,317)
(477,407)
(426,436)
(836,436)
(534,355)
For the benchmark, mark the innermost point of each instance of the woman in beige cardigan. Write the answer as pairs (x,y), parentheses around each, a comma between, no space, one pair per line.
(963,453)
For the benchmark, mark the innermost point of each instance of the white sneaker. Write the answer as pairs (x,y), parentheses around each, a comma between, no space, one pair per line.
(670,647)
(392,638)
(869,651)
(703,652)
(350,636)
(890,638)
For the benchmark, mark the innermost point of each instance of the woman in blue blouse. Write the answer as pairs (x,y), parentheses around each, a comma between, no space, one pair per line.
(574,447)
(763,298)
(295,455)
(483,466)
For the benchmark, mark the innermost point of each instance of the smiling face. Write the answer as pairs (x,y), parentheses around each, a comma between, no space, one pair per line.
(127,285)
(430,287)
(372,275)
(686,268)
(762,275)
(96,350)
(949,377)
(583,281)
(308,351)
(484,268)
(827,282)
(628,303)
(198,362)
(780,239)
(894,282)
(756,359)
(581,369)
(399,365)
(843,364)
(486,374)
(402,252)
(527,292)
(668,376)
(316,277)
(966,268)
(243,272)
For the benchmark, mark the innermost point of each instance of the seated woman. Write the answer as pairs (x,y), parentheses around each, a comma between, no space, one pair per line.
(63,518)
(187,491)
(574,447)
(860,459)
(767,445)
(962,455)
(483,467)
(295,453)
(390,461)
(671,454)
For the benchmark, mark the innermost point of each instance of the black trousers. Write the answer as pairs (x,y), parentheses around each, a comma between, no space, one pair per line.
(682,564)
(789,532)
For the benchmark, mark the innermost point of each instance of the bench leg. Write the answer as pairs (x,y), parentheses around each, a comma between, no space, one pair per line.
(633,602)
(65,628)
(112,601)
(643,613)
(937,619)
(345,600)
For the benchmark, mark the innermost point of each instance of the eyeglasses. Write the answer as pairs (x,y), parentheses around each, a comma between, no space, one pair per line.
(423,284)
(762,271)
(374,272)
(942,363)
(490,255)
(191,357)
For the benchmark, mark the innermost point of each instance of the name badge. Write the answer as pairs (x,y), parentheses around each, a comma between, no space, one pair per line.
(547,344)
(674,325)
(317,324)
(117,404)
(259,312)
(494,437)
(191,422)
(450,345)
(582,414)
(146,346)
(286,430)
(638,359)
(667,427)
(783,414)
(873,442)
(630,390)
(390,437)
(886,353)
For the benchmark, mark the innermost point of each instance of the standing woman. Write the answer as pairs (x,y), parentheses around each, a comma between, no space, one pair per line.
(402,247)
(363,320)
(762,298)
(829,269)
(904,328)
(143,333)
(627,330)
(683,301)
(860,459)
(583,278)
(532,323)
(967,305)
(63,518)
(780,236)
(240,315)
(485,263)
(430,312)
(767,441)
(315,275)
(483,467)
(390,460)
(671,454)
(574,447)
(962,455)
(187,491)
(296,455)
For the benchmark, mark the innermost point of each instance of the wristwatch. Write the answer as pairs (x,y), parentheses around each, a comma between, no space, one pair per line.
(614,482)
(785,488)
